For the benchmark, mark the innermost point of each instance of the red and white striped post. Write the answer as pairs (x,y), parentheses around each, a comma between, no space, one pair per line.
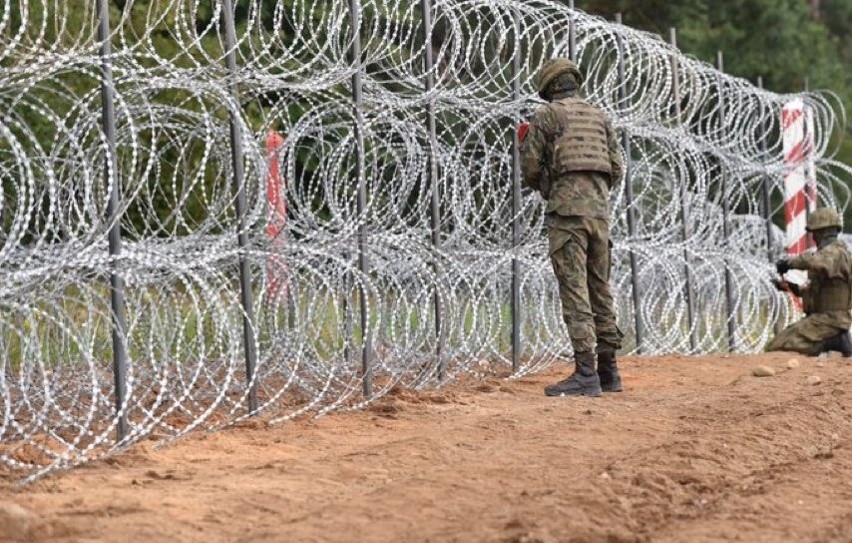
(799,177)
(799,173)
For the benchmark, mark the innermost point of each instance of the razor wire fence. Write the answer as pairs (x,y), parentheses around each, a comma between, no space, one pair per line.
(294,206)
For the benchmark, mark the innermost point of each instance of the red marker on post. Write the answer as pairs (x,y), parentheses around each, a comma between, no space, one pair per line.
(523,128)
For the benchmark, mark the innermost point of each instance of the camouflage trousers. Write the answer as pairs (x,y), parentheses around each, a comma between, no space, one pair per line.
(806,336)
(580,251)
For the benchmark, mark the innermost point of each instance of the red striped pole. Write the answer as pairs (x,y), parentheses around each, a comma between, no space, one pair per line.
(797,200)
(795,177)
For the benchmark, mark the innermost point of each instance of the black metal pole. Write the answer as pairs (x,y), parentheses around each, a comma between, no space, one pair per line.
(516,204)
(113,183)
(628,194)
(810,188)
(434,188)
(684,202)
(766,189)
(572,35)
(766,201)
(239,186)
(363,262)
(726,212)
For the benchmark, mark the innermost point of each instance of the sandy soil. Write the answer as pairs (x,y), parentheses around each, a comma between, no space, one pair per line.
(696,450)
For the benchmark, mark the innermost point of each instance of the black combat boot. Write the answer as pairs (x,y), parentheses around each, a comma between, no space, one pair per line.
(841,343)
(608,372)
(584,381)
(845,345)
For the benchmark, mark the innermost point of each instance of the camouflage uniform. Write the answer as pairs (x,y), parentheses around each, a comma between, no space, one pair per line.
(571,156)
(827,300)
(578,225)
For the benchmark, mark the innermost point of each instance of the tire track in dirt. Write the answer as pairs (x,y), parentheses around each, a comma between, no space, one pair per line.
(747,439)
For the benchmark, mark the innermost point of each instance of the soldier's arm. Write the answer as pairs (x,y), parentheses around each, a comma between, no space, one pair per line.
(533,149)
(615,160)
(816,262)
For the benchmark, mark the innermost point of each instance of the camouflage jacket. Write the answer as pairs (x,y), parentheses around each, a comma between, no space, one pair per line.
(829,278)
(584,194)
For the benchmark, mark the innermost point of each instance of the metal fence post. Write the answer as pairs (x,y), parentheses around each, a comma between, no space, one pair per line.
(766,202)
(428,63)
(726,212)
(363,262)
(113,184)
(684,201)
(628,189)
(239,186)
(765,189)
(572,35)
(811,197)
(516,204)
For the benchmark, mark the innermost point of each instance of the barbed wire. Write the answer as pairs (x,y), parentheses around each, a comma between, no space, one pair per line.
(692,168)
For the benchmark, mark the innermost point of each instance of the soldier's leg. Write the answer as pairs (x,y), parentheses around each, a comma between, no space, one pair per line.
(805,336)
(568,249)
(609,336)
(598,271)
(568,257)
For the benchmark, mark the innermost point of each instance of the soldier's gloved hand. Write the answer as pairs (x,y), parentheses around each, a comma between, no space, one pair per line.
(783,266)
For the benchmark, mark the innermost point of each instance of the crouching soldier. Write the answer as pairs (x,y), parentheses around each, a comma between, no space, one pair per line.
(827,296)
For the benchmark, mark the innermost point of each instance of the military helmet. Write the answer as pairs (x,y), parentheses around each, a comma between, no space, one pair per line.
(552,69)
(823,217)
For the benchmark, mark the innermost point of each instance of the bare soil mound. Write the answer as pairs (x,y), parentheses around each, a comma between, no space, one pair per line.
(697,449)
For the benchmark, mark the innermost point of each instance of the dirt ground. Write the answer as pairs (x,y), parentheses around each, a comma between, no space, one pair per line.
(697,449)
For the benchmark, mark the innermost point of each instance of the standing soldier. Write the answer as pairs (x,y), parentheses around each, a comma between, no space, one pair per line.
(571,156)
(827,297)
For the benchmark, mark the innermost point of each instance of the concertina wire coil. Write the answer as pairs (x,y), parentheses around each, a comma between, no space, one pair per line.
(696,173)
